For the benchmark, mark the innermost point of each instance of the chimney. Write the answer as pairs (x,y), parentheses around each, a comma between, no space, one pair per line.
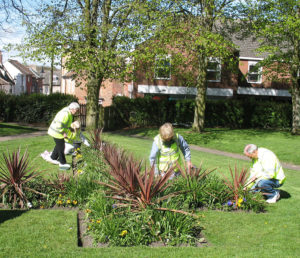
(0,57)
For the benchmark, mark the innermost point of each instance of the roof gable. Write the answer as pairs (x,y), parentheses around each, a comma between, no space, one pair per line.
(22,68)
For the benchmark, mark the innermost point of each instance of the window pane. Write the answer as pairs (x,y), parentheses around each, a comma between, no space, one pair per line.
(212,66)
(163,68)
(253,69)
(214,70)
(253,77)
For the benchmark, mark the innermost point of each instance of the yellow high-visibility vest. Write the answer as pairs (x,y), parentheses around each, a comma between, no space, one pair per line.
(61,123)
(168,155)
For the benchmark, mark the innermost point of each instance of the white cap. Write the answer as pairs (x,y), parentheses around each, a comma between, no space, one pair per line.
(74,105)
(250,148)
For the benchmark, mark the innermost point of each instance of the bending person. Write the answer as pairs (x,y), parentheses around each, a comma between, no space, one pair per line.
(59,129)
(166,148)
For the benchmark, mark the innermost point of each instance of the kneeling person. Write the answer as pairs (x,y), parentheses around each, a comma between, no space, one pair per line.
(266,173)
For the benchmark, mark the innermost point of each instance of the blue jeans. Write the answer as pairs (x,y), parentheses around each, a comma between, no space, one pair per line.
(266,186)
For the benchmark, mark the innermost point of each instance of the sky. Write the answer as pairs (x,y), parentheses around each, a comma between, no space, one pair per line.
(14,36)
(13,32)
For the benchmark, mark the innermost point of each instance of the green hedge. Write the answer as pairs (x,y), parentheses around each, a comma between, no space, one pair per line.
(34,108)
(232,113)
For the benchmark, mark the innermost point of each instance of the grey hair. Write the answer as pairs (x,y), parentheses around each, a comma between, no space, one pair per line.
(74,105)
(250,148)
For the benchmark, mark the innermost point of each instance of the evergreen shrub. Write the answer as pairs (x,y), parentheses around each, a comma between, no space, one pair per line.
(230,113)
(34,108)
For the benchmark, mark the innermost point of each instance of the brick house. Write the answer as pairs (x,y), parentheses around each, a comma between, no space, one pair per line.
(249,81)
(109,89)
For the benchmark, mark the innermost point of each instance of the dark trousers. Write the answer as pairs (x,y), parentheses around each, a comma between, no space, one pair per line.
(58,152)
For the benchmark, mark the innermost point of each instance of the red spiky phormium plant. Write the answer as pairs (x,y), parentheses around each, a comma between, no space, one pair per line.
(131,186)
(237,182)
(14,174)
(96,139)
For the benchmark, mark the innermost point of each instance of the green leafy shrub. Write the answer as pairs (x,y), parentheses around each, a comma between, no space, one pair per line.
(124,227)
(33,108)
(232,113)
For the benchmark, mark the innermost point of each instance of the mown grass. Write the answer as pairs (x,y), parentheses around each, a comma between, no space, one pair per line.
(14,129)
(53,233)
(283,143)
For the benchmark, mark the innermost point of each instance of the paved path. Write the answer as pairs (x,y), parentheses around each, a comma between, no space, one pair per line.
(25,135)
(43,131)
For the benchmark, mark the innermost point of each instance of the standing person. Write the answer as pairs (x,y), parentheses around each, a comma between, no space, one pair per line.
(59,129)
(266,173)
(165,150)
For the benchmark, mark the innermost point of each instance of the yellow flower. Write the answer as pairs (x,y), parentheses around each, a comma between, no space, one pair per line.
(75,202)
(68,201)
(78,156)
(41,207)
(239,202)
(59,202)
(60,196)
(92,220)
(98,221)
(88,211)
(123,233)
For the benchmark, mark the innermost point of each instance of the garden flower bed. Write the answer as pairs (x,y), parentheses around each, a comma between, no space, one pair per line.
(122,202)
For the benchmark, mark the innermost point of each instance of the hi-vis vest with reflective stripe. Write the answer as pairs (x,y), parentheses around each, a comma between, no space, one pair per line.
(61,123)
(168,155)
(267,166)
(73,136)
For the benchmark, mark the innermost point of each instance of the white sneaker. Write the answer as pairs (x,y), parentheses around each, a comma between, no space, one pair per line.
(53,161)
(48,159)
(64,166)
(274,199)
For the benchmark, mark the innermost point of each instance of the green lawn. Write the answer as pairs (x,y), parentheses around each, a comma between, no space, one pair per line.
(53,233)
(13,129)
(284,144)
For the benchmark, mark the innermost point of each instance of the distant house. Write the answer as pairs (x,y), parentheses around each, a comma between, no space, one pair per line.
(25,80)
(6,82)
(44,72)
(109,89)
(249,81)
(222,83)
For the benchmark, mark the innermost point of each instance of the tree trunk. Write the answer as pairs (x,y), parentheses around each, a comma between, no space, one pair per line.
(296,86)
(93,118)
(199,114)
(296,107)
(51,74)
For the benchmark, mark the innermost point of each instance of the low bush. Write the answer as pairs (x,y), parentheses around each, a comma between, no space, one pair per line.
(231,113)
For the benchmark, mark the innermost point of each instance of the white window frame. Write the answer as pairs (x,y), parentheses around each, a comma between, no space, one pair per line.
(218,69)
(258,73)
(168,57)
(55,78)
